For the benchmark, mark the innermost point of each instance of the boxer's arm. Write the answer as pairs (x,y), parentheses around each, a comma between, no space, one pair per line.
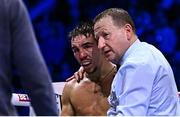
(67,109)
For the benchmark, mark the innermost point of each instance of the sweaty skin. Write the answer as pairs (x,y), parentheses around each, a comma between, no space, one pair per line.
(88,98)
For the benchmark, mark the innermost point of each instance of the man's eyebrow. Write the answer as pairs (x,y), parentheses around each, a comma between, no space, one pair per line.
(99,33)
(83,44)
(97,28)
(88,42)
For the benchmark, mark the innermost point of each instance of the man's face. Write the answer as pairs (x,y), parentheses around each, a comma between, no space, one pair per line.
(86,52)
(112,40)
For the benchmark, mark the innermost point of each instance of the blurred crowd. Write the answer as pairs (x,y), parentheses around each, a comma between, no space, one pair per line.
(157,22)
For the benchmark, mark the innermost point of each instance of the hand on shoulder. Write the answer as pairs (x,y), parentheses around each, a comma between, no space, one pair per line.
(78,76)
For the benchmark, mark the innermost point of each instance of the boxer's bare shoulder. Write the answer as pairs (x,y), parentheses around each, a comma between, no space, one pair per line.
(67,108)
(84,98)
(87,98)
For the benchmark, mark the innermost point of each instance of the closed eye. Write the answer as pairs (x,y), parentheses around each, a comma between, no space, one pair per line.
(74,49)
(105,35)
(87,45)
(96,37)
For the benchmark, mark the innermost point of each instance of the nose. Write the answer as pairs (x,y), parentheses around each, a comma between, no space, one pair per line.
(101,43)
(82,54)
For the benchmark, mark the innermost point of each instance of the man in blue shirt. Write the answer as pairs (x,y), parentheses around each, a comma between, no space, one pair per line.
(144,83)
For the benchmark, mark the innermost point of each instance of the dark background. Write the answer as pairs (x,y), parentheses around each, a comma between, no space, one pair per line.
(157,22)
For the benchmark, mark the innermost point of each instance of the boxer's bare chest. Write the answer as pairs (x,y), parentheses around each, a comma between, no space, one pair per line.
(88,99)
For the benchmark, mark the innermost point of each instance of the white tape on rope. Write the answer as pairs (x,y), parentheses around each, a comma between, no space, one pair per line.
(24,100)
(20,100)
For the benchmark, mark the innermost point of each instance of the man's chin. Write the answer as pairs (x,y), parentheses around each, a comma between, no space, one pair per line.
(89,71)
(112,60)
(109,59)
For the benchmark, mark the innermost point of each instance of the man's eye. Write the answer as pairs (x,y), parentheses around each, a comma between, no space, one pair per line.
(75,50)
(87,46)
(106,35)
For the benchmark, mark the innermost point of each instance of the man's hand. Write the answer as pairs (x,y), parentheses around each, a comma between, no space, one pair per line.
(72,77)
(79,75)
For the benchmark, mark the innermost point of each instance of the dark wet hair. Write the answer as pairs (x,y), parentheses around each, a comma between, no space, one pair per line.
(119,16)
(84,28)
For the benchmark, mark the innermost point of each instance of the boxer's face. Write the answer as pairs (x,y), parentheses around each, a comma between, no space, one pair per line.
(86,52)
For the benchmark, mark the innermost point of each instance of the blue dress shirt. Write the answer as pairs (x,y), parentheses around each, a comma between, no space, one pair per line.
(144,84)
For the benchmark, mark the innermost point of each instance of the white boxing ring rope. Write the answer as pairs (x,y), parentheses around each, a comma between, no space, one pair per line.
(23,99)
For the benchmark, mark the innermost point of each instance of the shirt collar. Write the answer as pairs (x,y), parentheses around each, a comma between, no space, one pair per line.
(130,50)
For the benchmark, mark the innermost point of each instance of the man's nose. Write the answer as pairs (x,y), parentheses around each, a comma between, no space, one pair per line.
(83,54)
(101,43)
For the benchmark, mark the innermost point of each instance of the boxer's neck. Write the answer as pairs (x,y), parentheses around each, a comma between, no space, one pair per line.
(102,72)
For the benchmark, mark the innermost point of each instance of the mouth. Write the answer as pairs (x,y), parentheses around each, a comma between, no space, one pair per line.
(107,53)
(85,63)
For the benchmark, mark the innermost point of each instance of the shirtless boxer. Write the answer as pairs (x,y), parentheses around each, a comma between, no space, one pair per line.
(89,96)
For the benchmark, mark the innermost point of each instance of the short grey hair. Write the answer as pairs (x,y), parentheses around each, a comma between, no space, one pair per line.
(119,16)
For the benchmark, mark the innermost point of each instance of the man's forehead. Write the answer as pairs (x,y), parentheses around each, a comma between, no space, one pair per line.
(103,23)
(101,29)
(83,39)
(103,20)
